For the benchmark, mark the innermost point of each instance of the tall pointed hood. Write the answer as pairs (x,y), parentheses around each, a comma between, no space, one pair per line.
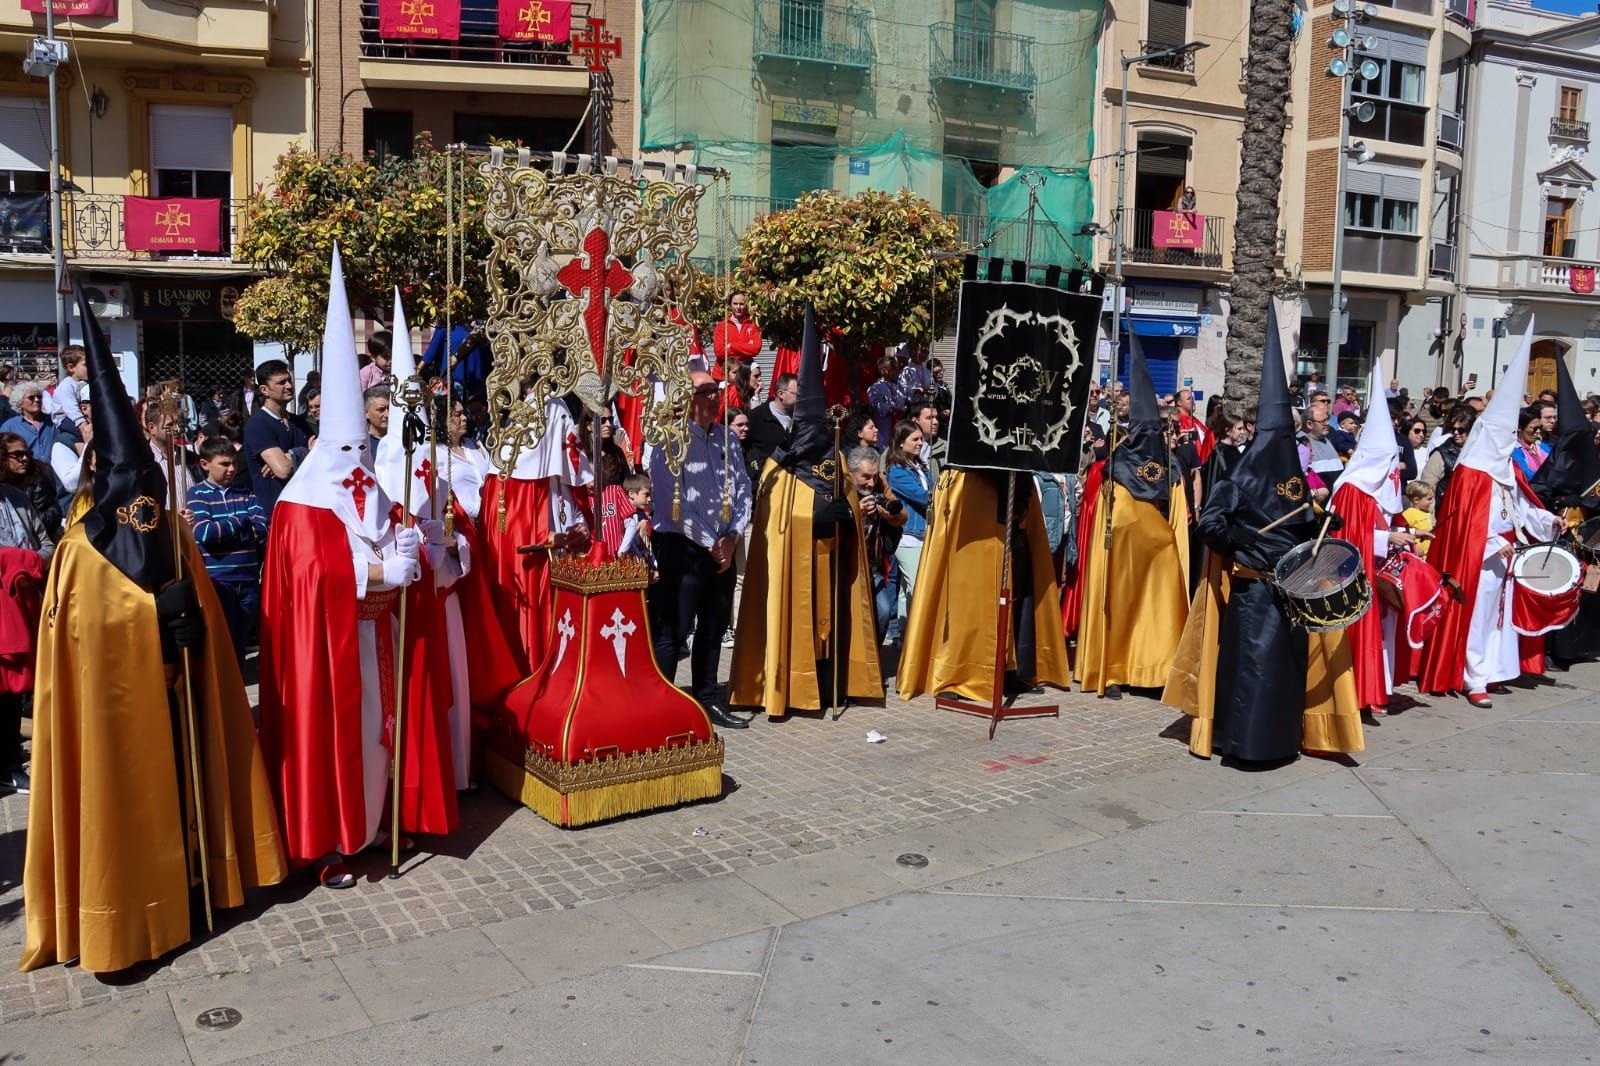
(1141,462)
(811,438)
(337,475)
(1494,434)
(128,521)
(1573,465)
(1374,466)
(1269,471)
(391,459)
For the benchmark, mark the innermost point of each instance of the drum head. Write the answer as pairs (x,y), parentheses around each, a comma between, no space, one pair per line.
(1333,567)
(1547,569)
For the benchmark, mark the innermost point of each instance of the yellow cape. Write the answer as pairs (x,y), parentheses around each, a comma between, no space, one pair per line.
(1136,595)
(950,634)
(106,878)
(1332,721)
(786,608)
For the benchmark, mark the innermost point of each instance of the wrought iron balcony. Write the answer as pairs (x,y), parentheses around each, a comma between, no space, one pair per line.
(806,31)
(1144,242)
(1570,129)
(980,57)
(93,228)
(479,43)
(1179,61)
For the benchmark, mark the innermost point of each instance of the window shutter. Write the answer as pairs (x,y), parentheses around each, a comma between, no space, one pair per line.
(1380,181)
(1166,156)
(24,135)
(1401,47)
(191,138)
(1169,23)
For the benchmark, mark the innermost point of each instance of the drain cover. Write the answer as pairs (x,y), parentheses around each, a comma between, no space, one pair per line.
(913,860)
(217,1019)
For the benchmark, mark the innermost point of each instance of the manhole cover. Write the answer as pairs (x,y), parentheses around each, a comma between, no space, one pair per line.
(913,860)
(217,1019)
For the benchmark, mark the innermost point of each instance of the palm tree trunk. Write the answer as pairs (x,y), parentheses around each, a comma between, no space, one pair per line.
(1255,232)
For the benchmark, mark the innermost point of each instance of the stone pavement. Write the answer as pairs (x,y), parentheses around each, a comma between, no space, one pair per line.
(1437,900)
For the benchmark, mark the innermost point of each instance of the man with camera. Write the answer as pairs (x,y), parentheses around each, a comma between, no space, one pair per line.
(882,518)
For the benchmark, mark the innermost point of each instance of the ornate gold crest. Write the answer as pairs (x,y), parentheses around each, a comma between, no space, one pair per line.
(579,301)
(1293,490)
(1150,471)
(827,470)
(142,514)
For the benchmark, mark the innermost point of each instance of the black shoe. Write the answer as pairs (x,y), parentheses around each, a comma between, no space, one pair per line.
(722,719)
(1113,692)
(16,781)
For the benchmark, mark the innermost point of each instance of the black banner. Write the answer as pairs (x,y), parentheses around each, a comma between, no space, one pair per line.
(1024,357)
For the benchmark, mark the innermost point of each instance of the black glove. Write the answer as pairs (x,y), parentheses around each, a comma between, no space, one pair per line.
(182,623)
(831,514)
(1335,521)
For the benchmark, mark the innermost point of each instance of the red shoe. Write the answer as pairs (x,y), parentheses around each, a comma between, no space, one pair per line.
(335,874)
(1378,712)
(1479,699)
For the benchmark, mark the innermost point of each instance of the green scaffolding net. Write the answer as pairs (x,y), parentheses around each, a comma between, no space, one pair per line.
(955,100)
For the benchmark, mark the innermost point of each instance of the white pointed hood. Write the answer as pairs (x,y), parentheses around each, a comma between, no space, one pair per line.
(337,475)
(391,458)
(1374,467)
(1494,434)
(557,453)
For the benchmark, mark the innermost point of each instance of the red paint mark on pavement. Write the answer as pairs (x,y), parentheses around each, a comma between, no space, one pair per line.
(993,767)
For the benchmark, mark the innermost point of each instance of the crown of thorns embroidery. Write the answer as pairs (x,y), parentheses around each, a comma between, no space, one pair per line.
(142,514)
(1293,490)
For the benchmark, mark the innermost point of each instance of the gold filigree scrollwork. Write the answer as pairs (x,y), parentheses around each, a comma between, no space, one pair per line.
(584,275)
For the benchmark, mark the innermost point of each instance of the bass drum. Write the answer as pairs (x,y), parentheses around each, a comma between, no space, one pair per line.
(1326,589)
(1546,582)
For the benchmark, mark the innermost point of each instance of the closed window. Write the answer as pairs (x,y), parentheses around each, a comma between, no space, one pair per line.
(1166,23)
(24,185)
(1571,106)
(1377,212)
(1396,80)
(191,150)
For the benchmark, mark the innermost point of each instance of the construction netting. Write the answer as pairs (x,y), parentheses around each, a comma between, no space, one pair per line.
(795,95)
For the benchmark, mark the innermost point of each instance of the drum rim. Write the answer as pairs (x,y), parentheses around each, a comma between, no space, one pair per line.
(1570,556)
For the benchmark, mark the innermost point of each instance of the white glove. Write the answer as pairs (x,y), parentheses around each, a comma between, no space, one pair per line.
(400,571)
(432,529)
(435,554)
(408,542)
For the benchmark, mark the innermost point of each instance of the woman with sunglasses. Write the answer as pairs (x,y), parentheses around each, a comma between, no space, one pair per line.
(1436,471)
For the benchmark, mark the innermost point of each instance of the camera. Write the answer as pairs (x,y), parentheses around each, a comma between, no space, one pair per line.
(884,504)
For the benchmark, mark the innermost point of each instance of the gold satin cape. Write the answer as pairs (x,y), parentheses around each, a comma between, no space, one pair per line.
(1332,721)
(107,878)
(786,608)
(1136,596)
(950,634)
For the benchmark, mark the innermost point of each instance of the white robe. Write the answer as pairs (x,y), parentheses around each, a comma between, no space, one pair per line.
(1493,652)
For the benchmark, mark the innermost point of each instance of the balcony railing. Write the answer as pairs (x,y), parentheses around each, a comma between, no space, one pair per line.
(479,43)
(1179,61)
(1462,11)
(1450,130)
(980,57)
(1570,129)
(810,32)
(1140,244)
(93,227)
(1442,260)
(1557,273)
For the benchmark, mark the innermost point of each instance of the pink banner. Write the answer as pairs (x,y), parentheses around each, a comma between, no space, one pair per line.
(171,224)
(1179,229)
(546,21)
(83,9)
(419,20)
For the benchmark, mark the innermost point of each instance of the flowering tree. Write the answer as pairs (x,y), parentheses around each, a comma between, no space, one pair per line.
(389,219)
(867,264)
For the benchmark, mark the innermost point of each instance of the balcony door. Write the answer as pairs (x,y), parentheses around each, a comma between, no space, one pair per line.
(800,25)
(1159,171)
(191,155)
(24,186)
(1557,226)
(802,161)
(974,37)
(1542,366)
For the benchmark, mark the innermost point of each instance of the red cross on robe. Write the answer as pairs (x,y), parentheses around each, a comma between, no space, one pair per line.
(358,483)
(595,277)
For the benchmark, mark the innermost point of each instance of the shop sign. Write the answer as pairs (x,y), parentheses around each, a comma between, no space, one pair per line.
(1166,299)
(186,300)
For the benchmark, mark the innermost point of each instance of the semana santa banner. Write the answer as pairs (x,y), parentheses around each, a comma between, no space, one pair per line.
(419,20)
(1024,357)
(171,224)
(89,9)
(546,21)
(1581,279)
(1179,229)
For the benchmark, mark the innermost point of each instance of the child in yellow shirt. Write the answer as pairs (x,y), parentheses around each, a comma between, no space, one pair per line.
(1419,516)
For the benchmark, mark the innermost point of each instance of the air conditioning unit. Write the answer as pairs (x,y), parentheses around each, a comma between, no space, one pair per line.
(107,301)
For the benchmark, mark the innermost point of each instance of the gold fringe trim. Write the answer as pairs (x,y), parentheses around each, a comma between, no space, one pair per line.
(599,803)
(577,574)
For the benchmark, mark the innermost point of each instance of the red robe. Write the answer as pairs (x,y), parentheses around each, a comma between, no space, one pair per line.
(835,374)
(521,583)
(497,662)
(1360,514)
(310,714)
(1072,595)
(1459,539)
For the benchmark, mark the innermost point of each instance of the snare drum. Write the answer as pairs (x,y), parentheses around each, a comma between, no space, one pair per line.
(1587,538)
(1325,591)
(1411,586)
(1546,582)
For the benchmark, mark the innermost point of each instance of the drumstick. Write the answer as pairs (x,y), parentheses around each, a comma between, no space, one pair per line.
(1323,532)
(1276,522)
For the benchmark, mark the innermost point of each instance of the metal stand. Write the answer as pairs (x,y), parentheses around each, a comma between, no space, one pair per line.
(998,708)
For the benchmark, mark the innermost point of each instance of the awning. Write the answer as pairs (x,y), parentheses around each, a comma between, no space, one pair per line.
(1161,326)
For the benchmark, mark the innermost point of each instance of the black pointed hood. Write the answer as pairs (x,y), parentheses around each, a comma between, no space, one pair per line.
(1269,471)
(811,438)
(127,522)
(1141,462)
(1573,465)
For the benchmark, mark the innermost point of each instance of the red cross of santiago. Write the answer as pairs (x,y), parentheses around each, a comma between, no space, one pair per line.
(595,278)
(358,483)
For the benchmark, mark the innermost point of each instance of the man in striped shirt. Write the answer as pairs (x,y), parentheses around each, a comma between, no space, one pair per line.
(231,529)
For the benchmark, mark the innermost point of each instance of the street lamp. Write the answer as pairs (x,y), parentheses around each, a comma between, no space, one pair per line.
(1188,48)
(1348,64)
(44,55)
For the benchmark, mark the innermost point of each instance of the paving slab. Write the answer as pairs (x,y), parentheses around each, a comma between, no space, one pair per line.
(1027,830)
(687,915)
(1586,709)
(559,944)
(623,1015)
(949,850)
(1110,809)
(743,954)
(421,976)
(1241,858)
(817,884)
(1341,793)
(1509,746)
(941,979)
(1563,935)
(1190,783)
(135,1032)
(278,1009)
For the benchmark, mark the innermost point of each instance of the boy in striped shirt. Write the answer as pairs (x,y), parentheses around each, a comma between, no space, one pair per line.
(231,530)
